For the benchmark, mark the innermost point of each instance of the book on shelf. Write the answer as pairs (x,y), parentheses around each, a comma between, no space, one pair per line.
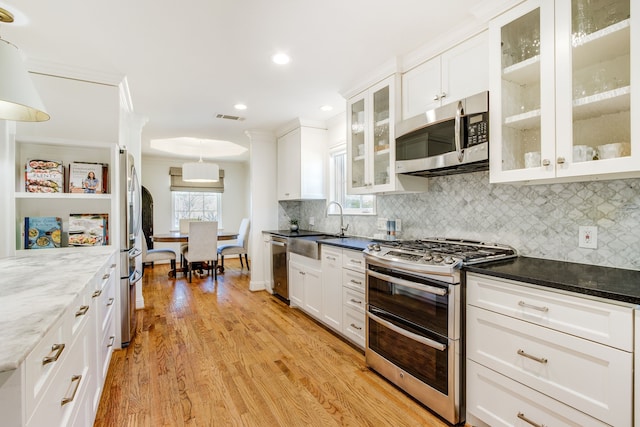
(88,229)
(44,176)
(42,232)
(88,178)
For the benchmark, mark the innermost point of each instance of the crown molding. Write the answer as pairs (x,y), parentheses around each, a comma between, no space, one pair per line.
(74,73)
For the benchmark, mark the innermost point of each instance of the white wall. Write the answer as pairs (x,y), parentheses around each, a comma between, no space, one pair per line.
(156,179)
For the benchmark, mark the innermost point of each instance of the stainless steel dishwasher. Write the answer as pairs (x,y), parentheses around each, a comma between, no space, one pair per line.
(280,267)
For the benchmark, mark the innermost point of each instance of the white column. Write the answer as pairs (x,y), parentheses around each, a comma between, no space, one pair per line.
(7,188)
(263,202)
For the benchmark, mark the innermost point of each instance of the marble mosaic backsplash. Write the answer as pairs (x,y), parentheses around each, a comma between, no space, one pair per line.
(538,220)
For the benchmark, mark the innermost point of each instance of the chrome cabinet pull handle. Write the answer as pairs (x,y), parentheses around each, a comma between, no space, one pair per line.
(357,282)
(96,294)
(546,162)
(74,379)
(542,360)
(111,340)
(436,97)
(356,327)
(355,301)
(110,301)
(82,311)
(355,261)
(106,276)
(57,348)
(528,421)
(560,160)
(331,258)
(535,307)
(113,265)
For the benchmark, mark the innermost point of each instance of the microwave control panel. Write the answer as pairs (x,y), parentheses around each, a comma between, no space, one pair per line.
(477,129)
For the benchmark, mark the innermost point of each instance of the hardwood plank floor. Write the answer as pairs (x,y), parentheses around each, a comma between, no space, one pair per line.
(212,353)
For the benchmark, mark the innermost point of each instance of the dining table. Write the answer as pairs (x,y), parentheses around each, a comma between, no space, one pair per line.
(179,237)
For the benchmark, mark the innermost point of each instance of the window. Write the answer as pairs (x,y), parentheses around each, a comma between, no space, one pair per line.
(204,206)
(351,204)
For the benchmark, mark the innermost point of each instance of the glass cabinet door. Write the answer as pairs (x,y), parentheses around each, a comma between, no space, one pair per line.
(594,129)
(522,89)
(357,152)
(381,137)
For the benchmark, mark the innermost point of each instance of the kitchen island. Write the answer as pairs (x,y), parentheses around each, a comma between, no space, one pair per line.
(57,325)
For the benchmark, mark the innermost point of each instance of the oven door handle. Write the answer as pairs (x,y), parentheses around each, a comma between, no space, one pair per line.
(426,341)
(418,286)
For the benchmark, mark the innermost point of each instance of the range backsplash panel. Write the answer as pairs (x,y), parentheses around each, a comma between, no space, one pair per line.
(538,220)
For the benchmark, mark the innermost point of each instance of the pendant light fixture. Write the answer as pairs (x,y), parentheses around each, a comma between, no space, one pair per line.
(19,100)
(200,171)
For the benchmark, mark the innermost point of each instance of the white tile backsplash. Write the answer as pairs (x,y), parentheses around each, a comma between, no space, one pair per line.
(538,220)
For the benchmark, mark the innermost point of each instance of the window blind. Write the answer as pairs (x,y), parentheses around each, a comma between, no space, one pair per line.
(177,184)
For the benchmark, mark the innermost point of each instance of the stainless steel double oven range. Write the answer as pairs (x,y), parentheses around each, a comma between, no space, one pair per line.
(415,316)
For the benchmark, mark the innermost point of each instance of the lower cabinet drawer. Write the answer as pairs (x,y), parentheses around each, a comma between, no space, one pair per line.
(353,299)
(501,402)
(588,376)
(353,279)
(353,325)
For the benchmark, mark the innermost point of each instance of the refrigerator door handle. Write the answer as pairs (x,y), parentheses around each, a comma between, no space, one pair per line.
(135,278)
(134,252)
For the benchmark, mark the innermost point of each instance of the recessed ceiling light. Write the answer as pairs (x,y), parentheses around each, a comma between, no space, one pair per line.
(326,108)
(281,58)
(240,107)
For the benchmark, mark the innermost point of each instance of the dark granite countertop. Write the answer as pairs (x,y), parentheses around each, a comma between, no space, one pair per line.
(289,233)
(605,282)
(355,243)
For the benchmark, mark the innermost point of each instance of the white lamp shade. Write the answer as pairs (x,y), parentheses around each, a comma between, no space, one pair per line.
(19,100)
(200,172)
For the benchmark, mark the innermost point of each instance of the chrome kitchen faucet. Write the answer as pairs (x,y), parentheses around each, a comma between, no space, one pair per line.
(342,227)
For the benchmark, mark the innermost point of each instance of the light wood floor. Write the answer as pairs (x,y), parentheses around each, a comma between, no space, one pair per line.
(209,354)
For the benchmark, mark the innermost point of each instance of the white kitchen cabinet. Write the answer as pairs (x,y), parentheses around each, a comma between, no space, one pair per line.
(561,92)
(331,259)
(353,296)
(302,160)
(457,73)
(576,351)
(371,118)
(305,284)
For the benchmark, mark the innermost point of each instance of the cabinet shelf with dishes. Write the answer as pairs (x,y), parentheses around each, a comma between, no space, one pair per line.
(561,86)
(61,204)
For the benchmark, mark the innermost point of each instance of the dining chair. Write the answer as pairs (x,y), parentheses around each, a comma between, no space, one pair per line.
(184,229)
(240,248)
(153,255)
(202,246)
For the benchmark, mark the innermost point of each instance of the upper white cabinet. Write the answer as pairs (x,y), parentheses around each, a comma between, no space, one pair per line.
(455,74)
(560,88)
(302,160)
(371,154)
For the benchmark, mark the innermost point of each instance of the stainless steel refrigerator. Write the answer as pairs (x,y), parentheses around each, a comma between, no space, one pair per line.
(130,226)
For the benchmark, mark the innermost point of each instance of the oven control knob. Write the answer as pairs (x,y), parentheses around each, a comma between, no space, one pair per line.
(428,257)
(437,258)
(373,247)
(449,260)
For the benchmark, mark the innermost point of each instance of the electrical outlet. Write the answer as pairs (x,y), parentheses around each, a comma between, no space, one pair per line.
(588,237)
(312,221)
(382,224)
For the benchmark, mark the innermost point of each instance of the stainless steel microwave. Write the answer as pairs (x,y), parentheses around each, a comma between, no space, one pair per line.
(447,140)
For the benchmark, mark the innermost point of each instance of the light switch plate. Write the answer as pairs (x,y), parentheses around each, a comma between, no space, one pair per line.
(588,237)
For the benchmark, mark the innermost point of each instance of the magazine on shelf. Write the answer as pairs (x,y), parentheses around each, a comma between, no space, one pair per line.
(88,229)
(42,232)
(88,178)
(44,176)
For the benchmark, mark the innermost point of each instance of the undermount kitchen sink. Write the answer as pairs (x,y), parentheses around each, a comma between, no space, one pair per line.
(309,246)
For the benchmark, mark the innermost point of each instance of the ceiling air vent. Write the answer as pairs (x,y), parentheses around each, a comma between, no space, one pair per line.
(229,117)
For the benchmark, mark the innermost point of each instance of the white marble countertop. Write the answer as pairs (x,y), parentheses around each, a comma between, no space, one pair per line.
(36,287)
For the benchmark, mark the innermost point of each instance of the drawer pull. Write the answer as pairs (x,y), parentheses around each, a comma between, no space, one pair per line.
(356,327)
(355,261)
(74,379)
(535,307)
(111,340)
(57,348)
(96,294)
(527,420)
(537,359)
(106,276)
(82,311)
(110,302)
(355,301)
(113,265)
(357,282)
(332,258)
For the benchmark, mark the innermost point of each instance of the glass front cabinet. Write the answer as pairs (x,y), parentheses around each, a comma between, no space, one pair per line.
(561,83)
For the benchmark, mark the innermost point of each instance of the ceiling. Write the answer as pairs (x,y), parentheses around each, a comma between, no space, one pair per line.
(186,62)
